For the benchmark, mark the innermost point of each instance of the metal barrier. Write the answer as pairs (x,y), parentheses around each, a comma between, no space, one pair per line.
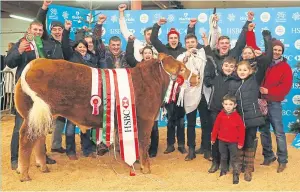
(7,92)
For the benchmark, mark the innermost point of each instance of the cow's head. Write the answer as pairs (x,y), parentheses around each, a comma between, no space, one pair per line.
(176,68)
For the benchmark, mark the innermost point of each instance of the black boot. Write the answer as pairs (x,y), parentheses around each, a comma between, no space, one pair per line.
(200,151)
(169,149)
(207,155)
(101,149)
(214,167)
(191,155)
(49,160)
(182,149)
(236,178)
(223,173)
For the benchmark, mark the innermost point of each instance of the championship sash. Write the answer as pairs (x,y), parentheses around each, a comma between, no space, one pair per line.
(96,100)
(126,115)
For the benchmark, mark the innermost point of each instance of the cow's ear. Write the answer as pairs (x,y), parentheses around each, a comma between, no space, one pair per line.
(161,56)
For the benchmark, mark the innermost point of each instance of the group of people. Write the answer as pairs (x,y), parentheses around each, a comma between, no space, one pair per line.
(241,89)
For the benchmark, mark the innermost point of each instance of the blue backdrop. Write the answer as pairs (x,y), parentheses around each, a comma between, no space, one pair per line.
(284,23)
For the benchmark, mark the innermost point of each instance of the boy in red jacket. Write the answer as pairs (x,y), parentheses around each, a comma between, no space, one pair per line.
(230,130)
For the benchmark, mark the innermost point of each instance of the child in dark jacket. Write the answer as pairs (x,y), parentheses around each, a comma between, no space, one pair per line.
(246,90)
(219,85)
(230,130)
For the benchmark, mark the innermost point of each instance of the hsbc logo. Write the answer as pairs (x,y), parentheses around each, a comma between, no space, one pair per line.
(115,31)
(296,30)
(233,31)
(126,115)
(286,113)
(288,57)
(125,102)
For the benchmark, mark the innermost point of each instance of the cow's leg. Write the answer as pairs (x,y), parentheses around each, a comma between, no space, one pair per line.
(40,154)
(145,128)
(25,149)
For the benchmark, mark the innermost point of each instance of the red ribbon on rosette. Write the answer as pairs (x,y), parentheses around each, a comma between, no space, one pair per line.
(95,102)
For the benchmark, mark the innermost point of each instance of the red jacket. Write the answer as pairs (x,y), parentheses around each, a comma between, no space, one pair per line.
(229,128)
(251,40)
(278,80)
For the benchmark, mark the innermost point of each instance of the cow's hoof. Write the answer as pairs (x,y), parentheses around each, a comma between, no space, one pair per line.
(27,178)
(45,169)
(145,171)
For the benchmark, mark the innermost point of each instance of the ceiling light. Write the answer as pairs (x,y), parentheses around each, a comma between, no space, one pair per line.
(19,17)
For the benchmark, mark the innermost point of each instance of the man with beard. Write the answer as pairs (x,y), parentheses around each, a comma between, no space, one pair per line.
(175,114)
(138,45)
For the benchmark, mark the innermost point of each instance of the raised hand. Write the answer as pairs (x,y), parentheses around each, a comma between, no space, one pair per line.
(46,4)
(216,18)
(250,16)
(122,7)
(101,19)
(193,22)
(204,39)
(251,26)
(162,21)
(68,24)
(131,37)
(257,53)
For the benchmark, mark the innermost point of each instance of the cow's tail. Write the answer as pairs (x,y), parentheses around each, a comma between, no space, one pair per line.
(40,118)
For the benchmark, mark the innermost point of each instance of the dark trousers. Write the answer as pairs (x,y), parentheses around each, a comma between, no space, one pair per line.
(206,124)
(215,147)
(85,141)
(250,136)
(175,117)
(14,146)
(154,138)
(224,148)
(275,119)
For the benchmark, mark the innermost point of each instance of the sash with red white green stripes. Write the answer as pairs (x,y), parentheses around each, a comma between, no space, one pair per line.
(126,115)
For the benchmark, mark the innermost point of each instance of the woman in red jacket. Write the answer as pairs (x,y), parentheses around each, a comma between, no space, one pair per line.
(276,85)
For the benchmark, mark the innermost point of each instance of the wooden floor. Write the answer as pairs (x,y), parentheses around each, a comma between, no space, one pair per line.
(169,172)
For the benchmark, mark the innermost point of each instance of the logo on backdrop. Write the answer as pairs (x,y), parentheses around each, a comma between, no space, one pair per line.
(280,30)
(103,31)
(171,18)
(202,17)
(245,17)
(156,17)
(65,15)
(114,31)
(144,18)
(53,14)
(296,99)
(265,17)
(128,18)
(296,16)
(231,17)
(297,57)
(281,17)
(233,31)
(76,17)
(296,30)
(114,18)
(297,44)
(185,18)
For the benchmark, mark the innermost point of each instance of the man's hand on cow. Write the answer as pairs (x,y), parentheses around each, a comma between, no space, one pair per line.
(46,4)
(68,24)
(250,16)
(193,22)
(101,19)
(162,21)
(23,46)
(122,7)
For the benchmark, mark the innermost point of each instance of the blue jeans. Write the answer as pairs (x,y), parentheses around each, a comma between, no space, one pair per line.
(275,119)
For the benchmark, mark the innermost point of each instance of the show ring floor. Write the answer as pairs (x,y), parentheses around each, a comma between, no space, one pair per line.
(169,172)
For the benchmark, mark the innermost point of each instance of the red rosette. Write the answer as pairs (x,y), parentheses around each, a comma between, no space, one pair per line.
(180,80)
(96,100)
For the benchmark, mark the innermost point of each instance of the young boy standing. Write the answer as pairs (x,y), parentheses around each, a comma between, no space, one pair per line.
(229,128)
